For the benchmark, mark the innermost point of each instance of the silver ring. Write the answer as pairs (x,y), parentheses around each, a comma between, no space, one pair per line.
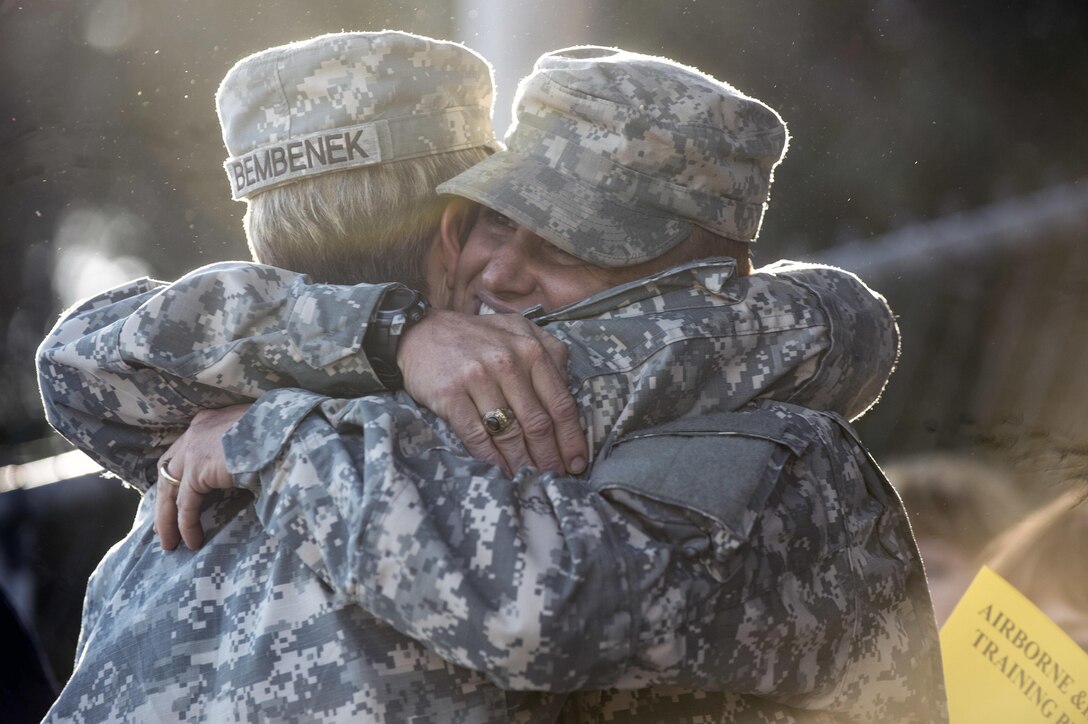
(498,421)
(165,474)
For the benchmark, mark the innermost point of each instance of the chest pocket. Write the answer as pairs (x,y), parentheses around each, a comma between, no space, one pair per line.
(720,467)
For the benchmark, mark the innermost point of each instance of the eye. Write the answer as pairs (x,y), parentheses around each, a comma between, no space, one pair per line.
(498,219)
(558,256)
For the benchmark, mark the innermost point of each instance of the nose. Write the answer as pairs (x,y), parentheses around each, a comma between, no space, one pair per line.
(509,273)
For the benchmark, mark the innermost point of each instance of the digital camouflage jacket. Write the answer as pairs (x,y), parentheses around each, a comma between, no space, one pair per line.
(726,560)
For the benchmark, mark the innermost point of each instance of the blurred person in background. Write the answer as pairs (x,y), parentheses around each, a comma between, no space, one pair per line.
(281,426)
(1042,556)
(956,505)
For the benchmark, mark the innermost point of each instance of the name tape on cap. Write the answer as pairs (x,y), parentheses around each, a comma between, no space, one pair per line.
(317,153)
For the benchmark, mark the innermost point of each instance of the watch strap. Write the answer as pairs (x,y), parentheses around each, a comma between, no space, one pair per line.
(399,308)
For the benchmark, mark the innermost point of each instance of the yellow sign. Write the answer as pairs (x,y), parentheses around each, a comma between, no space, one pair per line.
(1005,661)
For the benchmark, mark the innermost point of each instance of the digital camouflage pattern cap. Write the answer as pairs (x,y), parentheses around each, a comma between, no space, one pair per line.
(613,156)
(345,100)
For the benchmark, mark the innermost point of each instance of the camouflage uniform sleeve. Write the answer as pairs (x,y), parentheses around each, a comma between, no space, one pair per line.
(123,373)
(550,583)
(697,340)
(862,345)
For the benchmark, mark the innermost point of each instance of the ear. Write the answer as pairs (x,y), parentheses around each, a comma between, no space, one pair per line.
(457,221)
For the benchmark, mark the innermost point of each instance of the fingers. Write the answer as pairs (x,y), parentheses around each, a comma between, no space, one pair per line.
(530,439)
(546,412)
(166,509)
(511,444)
(192,467)
(464,418)
(177,510)
(188,516)
(505,384)
(557,352)
(466,366)
(564,430)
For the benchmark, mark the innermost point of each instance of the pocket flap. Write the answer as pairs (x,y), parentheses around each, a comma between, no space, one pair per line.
(723,466)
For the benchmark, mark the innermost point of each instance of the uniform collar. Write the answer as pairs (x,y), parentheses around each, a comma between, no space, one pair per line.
(711,274)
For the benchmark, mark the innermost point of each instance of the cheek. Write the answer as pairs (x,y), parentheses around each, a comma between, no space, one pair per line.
(475,254)
(567,285)
(469,266)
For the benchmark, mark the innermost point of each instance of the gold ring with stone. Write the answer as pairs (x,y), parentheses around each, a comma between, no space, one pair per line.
(164,473)
(498,421)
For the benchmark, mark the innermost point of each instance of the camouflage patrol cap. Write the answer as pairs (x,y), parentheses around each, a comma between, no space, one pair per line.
(346,100)
(614,156)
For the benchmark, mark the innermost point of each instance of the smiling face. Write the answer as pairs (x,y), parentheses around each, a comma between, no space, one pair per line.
(504,267)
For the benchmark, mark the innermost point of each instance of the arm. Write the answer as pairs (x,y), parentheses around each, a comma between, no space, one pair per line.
(545,582)
(699,340)
(123,373)
(664,611)
(642,582)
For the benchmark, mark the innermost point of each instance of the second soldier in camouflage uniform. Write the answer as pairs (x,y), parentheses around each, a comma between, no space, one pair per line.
(786,581)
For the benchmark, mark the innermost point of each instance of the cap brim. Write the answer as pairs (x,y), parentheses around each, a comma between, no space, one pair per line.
(583,220)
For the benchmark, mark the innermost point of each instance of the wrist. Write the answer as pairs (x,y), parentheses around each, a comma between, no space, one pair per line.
(399,309)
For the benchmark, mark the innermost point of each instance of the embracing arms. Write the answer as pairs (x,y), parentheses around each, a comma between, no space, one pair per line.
(559,531)
(123,373)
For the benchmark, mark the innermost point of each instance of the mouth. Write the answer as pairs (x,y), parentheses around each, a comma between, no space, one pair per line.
(484,309)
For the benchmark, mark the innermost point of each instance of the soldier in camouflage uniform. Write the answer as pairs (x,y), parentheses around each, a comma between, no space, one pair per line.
(785,585)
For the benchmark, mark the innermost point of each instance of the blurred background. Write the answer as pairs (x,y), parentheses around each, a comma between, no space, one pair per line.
(939,150)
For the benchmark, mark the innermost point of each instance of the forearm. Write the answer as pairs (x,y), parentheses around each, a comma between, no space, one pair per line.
(700,341)
(248,328)
(122,374)
(122,414)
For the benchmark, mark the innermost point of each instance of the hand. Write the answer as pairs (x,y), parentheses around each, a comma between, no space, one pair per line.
(462,366)
(198,461)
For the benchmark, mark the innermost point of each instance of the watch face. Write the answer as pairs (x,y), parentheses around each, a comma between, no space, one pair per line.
(399,298)
(401,307)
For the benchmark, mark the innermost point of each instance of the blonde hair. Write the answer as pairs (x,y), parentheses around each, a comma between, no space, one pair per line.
(369,224)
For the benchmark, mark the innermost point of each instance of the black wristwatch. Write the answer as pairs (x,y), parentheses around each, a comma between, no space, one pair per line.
(399,308)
